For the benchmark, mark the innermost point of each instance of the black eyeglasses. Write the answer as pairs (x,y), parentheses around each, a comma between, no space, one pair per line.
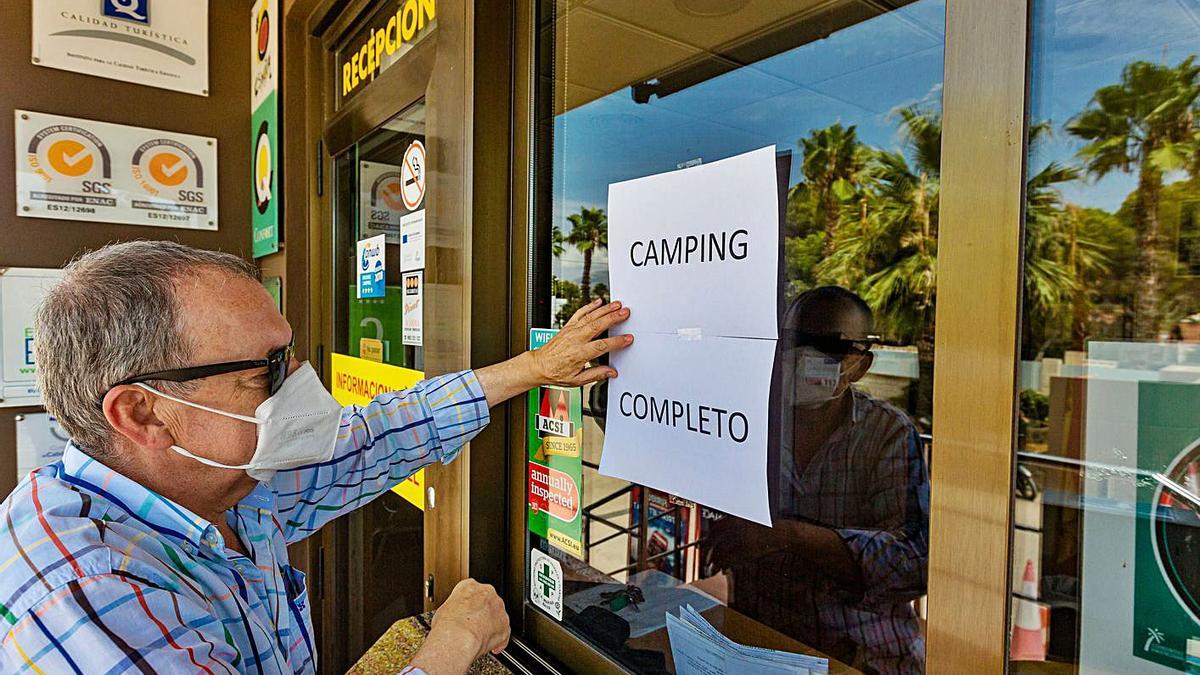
(276,363)
(834,346)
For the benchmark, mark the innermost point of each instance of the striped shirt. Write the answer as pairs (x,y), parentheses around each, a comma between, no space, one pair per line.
(100,575)
(870,484)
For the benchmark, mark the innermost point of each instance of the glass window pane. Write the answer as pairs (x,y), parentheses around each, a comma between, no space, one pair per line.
(1106,545)
(369,199)
(850,95)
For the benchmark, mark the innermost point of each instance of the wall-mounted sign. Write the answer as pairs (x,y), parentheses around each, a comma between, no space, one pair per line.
(158,43)
(21,290)
(696,251)
(357,381)
(76,169)
(414,309)
(40,441)
(264,127)
(264,50)
(385,37)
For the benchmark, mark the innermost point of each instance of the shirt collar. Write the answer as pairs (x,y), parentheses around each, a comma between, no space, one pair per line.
(855,405)
(142,504)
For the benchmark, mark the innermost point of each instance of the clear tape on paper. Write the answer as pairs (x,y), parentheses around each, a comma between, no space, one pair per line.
(689,334)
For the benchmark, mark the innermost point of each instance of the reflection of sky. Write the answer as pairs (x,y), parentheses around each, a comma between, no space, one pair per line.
(860,76)
(1082,45)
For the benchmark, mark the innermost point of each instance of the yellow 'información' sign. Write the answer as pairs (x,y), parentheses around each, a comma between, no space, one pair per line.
(357,381)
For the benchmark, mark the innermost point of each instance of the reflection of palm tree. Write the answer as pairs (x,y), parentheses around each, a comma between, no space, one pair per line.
(589,233)
(833,159)
(1147,122)
(556,242)
(903,290)
(1055,255)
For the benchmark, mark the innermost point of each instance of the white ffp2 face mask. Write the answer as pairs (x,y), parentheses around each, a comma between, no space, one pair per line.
(296,427)
(810,378)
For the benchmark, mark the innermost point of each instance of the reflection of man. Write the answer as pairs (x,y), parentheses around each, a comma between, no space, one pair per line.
(200,450)
(849,550)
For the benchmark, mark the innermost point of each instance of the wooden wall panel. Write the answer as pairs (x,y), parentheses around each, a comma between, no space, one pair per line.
(224,115)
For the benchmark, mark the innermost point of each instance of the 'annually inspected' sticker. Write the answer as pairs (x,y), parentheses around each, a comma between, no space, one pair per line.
(546,583)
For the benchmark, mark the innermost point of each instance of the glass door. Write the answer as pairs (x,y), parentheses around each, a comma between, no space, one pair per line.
(850,96)
(379,198)
(1106,533)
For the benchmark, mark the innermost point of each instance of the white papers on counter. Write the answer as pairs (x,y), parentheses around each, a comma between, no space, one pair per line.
(700,649)
(662,593)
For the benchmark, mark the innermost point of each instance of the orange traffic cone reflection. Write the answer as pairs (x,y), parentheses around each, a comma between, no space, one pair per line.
(1027,643)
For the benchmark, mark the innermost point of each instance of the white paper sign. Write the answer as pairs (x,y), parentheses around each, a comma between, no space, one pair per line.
(21,291)
(158,43)
(381,205)
(40,441)
(695,254)
(412,241)
(691,417)
(698,248)
(414,309)
(76,169)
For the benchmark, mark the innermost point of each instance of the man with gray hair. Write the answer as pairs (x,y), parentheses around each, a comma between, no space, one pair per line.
(200,449)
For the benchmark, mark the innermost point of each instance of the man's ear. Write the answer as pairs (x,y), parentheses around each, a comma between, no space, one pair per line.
(860,367)
(130,411)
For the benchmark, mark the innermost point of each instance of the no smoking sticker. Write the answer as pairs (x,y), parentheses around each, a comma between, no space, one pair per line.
(412,176)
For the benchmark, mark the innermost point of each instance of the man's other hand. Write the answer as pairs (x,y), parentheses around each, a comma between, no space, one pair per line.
(471,623)
(476,609)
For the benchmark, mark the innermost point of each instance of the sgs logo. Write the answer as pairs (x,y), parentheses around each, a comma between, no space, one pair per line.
(387,202)
(64,152)
(167,168)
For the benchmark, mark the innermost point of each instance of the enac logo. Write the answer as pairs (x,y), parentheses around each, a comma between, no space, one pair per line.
(168,169)
(70,158)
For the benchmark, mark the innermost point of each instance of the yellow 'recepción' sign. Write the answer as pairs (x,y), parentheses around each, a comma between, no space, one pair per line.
(357,381)
(382,41)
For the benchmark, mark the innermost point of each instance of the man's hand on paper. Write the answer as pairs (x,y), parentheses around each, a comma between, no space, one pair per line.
(565,360)
(471,623)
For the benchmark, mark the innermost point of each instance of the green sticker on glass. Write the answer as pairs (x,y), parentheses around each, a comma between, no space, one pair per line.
(555,438)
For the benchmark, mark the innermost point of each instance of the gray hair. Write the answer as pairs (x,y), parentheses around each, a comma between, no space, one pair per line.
(114,315)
